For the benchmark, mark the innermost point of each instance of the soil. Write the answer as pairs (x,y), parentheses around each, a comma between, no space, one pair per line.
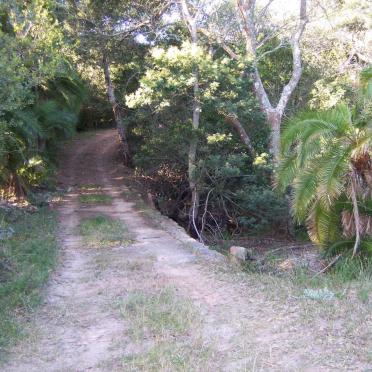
(246,320)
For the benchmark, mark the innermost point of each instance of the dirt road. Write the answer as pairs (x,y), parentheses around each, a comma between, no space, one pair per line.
(159,303)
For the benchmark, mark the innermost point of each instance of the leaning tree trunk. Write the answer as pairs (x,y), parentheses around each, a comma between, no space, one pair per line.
(117,111)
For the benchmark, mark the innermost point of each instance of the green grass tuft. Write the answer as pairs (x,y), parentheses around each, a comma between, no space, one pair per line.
(172,324)
(160,313)
(95,199)
(170,356)
(26,260)
(102,231)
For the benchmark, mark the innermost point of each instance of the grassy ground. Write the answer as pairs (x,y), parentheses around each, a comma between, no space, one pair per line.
(171,324)
(328,310)
(102,231)
(26,260)
(347,276)
(336,305)
(95,199)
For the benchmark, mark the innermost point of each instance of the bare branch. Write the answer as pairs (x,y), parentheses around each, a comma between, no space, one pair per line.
(116,110)
(246,11)
(27,29)
(296,56)
(264,10)
(205,212)
(218,39)
(186,15)
(279,46)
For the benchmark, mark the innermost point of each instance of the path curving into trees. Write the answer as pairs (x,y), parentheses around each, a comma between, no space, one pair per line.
(212,318)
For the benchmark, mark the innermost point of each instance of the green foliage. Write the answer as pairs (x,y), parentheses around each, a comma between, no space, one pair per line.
(26,260)
(40,93)
(262,209)
(168,82)
(171,75)
(350,269)
(366,82)
(328,92)
(322,152)
(240,197)
(160,129)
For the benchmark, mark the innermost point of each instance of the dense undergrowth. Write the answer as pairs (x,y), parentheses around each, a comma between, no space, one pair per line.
(26,260)
(41,94)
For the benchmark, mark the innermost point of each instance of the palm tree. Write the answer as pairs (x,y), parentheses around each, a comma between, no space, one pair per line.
(327,160)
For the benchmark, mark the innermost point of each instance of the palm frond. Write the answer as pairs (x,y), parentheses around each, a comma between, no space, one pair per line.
(332,169)
(319,151)
(323,224)
(69,91)
(324,124)
(304,193)
(55,120)
(366,82)
(286,171)
(26,125)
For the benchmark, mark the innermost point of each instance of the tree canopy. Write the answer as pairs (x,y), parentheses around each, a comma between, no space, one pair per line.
(214,102)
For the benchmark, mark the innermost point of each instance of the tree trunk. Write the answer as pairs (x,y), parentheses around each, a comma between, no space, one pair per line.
(15,186)
(356,214)
(191,23)
(246,11)
(116,111)
(194,141)
(274,118)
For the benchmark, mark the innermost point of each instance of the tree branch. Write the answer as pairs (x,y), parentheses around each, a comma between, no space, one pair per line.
(280,45)
(233,120)
(296,56)
(246,11)
(218,40)
(189,20)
